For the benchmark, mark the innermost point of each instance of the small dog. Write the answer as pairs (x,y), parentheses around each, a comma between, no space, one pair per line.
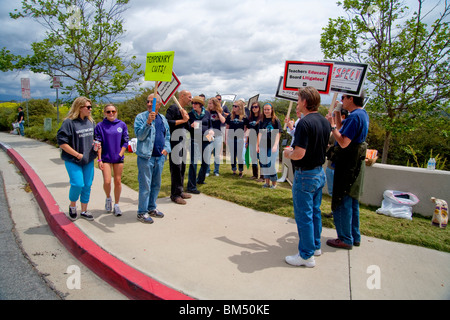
(440,215)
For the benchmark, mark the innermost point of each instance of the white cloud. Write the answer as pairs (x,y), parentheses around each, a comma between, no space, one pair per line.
(230,46)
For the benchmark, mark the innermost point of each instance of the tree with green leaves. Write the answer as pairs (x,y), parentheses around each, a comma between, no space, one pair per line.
(81,45)
(408,78)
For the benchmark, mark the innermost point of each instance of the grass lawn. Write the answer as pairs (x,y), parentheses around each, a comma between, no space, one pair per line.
(250,193)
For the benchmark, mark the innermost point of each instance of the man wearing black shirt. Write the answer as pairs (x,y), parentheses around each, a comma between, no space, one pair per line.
(308,155)
(178,122)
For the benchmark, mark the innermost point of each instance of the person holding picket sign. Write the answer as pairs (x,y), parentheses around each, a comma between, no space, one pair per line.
(153,146)
(178,118)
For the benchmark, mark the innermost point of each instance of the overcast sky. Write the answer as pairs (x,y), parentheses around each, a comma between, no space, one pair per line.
(230,47)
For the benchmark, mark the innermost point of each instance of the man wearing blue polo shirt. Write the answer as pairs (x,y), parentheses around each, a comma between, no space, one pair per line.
(349,155)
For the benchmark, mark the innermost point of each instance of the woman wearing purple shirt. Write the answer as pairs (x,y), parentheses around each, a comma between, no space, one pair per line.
(112,133)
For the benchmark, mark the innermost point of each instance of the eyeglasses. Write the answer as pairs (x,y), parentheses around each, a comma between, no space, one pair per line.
(111,111)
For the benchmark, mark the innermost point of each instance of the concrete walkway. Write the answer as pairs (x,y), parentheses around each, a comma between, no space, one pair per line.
(211,249)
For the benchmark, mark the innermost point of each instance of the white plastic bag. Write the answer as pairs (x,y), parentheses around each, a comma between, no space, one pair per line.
(398,204)
(132,144)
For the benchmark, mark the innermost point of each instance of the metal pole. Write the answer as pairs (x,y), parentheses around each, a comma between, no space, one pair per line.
(57,107)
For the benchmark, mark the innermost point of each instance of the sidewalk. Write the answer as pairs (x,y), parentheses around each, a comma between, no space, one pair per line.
(211,249)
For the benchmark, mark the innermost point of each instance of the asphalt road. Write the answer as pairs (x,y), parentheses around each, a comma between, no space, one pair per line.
(19,280)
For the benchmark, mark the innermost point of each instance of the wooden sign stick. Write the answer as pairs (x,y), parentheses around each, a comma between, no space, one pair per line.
(288,113)
(333,103)
(177,103)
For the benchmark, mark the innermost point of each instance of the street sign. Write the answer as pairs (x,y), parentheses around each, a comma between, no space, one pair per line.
(25,84)
(56,82)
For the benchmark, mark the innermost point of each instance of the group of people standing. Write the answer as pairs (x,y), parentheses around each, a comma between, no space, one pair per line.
(160,137)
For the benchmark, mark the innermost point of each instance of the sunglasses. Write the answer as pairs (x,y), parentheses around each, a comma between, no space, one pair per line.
(111,111)
(343,97)
(235,106)
(88,107)
(196,103)
(254,107)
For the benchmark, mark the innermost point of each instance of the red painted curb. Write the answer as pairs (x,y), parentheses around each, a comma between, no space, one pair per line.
(131,282)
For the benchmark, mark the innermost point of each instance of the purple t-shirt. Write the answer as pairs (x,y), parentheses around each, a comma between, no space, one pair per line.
(113,136)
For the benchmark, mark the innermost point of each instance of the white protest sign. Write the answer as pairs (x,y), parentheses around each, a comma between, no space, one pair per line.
(299,74)
(167,89)
(252,100)
(286,94)
(348,77)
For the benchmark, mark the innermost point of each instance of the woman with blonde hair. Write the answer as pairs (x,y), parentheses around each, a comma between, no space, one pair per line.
(76,140)
(217,119)
(237,123)
(112,134)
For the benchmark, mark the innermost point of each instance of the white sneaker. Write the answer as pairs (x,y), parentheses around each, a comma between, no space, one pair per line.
(117,211)
(318,252)
(298,261)
(108,205)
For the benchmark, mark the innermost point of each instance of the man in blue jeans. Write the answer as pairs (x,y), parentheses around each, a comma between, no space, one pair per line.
(349,155)
(308,155)
(153,146)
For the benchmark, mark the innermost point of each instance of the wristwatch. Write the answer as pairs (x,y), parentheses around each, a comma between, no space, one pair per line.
(333,128)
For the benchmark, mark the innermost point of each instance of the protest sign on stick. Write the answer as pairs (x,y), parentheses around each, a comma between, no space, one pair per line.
(159,67)
(251,101)
(299,74)
(167,90)
(291,96)
(348,77)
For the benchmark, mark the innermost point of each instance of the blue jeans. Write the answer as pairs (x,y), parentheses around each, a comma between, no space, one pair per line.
(149,178)
(195,157)
(307,197)
(81,177)
(217,146)
(21,129)
(346,220)
(330,179)
(268,161)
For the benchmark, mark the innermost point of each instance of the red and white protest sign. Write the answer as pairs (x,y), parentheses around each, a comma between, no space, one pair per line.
(167,89)
(299,74)
(348,77)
